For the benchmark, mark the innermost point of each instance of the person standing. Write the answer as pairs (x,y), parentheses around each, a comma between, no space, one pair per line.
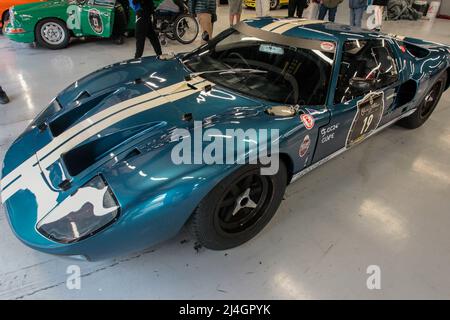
(235,7)
(329,6)
(262,8)
(313,9)
(144,26)
(378,6)
(205,11)
(298,5)
(357,8)
(3,97)
(120,21)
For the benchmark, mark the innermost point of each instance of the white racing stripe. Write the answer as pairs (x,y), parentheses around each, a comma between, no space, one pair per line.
(284,28)
(295,23)
(24,176)
(274,25)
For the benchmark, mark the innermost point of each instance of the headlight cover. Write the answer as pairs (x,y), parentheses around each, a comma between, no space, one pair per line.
(84,213)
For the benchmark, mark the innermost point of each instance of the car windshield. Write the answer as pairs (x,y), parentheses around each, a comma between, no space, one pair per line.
(287,74)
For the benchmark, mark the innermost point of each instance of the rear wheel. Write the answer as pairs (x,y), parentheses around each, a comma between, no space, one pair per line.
(238,208)
(185,29)
(426,106)
(52,34)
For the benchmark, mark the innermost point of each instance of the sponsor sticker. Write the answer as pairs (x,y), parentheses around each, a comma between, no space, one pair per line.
(95,21)
(327,46)
(328,133)
(307,120)
(304,147)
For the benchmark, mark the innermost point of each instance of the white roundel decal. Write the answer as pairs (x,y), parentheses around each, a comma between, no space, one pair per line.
(327,46)
(304,147)
(308,121)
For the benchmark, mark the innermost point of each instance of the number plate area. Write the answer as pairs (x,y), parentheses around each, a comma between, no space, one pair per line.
(368,116)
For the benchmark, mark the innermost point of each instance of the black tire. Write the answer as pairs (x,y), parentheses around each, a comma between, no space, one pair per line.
(218,226)
(275,4)
(180,28)
(4,17)
(52,34)
(426,106)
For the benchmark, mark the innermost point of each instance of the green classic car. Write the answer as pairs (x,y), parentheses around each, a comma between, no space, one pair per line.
(52,23)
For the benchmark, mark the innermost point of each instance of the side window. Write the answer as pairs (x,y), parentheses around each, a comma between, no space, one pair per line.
(367,65)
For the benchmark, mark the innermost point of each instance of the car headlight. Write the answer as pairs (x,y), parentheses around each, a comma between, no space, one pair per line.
(90,209)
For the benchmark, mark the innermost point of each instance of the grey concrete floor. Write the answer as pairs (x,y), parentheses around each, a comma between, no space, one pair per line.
(384,203)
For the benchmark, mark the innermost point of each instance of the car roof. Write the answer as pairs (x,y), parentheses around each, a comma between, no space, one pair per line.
(312,29)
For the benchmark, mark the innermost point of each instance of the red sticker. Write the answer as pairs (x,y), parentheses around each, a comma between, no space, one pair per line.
(327,46)
(304,147)
(307,120)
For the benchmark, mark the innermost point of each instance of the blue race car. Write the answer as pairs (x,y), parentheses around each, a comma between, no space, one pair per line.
(94,176)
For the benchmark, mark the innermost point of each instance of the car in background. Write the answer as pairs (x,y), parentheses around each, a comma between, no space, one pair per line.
(4,9)
(274,4)
(52,23)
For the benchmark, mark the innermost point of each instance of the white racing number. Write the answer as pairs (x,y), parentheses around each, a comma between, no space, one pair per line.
(73,17)
(366,124)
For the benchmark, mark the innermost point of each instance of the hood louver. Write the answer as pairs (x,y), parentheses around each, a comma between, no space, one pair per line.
(66,120)
(85,155)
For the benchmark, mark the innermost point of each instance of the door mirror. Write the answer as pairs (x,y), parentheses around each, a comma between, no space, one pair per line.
(361,85)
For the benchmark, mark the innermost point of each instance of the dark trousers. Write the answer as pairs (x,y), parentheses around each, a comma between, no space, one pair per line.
(120,21)
(144,28)
(331,13)
(298,5)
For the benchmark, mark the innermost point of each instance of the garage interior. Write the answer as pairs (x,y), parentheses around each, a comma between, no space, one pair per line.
(385,203)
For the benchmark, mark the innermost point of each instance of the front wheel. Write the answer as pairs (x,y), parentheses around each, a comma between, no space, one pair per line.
(52,34)
(426,106)
(238,208)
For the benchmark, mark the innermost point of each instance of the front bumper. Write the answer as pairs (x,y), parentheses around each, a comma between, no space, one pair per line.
(25,37)
(133,231)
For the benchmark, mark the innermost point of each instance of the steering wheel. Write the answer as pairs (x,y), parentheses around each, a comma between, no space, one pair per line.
(241,58)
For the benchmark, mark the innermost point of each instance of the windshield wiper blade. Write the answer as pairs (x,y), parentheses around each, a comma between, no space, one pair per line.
(223,71)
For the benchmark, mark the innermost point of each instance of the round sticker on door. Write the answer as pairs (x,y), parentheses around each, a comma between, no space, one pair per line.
(95,21)
(304,147)
(307,120)
(327,46)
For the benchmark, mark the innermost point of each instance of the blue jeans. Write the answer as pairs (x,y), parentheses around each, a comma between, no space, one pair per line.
(331,13)
(356,17)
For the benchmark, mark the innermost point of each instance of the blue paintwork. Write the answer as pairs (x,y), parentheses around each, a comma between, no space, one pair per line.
(156,197)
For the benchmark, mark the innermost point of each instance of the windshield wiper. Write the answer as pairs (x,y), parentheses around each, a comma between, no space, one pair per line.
(223,71)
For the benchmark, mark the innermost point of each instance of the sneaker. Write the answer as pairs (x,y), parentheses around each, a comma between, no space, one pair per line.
(3,97)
